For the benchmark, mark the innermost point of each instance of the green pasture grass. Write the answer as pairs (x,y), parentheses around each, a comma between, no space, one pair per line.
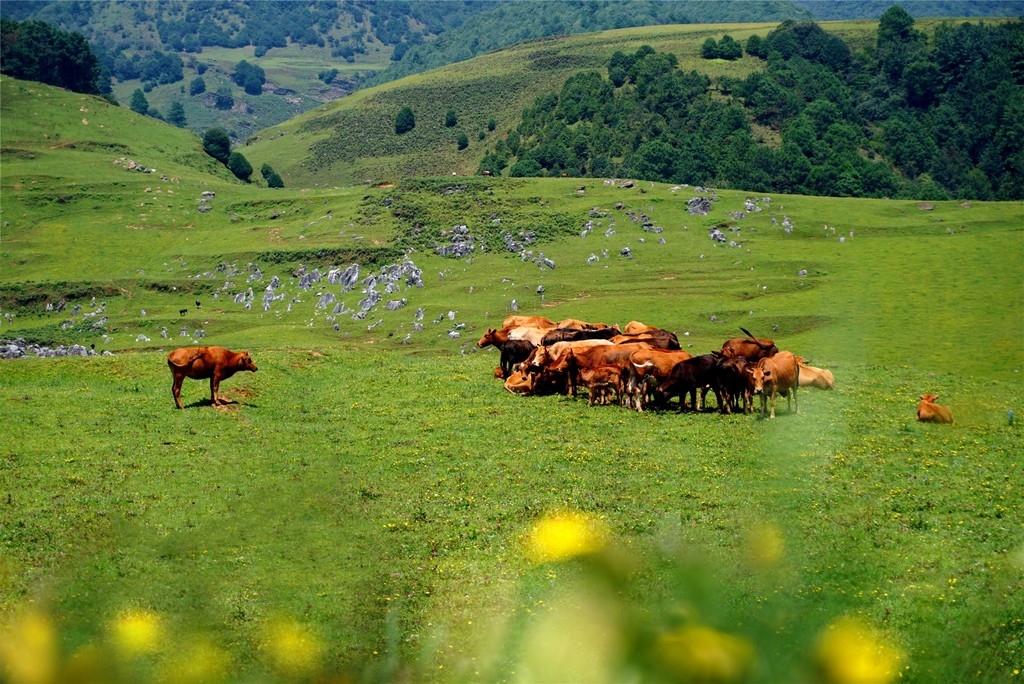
(380,501)
(368,499)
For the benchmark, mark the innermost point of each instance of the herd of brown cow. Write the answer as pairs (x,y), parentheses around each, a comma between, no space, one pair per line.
(639,366)
(642,366)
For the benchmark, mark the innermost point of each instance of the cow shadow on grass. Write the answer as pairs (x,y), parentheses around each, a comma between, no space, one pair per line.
(229,405)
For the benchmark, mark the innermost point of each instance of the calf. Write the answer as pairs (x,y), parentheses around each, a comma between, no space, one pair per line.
(514,352)
(775,375)
(686,377)
(601,382)
(731,386)
(930,412)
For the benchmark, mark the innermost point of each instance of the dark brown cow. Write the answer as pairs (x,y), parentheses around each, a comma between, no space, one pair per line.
(561,334)
(199,363)
(731,384)
(930,412)
(775,375)
(647,369)
(749,347)
(687,377)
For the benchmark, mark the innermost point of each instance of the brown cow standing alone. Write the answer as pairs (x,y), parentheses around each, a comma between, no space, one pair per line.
(199,363)
(930,412)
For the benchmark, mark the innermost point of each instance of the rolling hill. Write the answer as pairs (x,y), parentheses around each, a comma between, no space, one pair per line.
(364,509)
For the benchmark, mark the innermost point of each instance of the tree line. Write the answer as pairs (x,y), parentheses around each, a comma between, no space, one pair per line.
(907,117)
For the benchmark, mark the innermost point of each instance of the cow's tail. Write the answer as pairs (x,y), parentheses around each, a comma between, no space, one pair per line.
(753,339)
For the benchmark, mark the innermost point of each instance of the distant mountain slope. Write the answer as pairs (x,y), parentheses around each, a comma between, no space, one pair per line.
(826,10)
(510,23)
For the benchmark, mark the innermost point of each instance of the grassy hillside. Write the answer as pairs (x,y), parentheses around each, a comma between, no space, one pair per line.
(353,140)
(374,506)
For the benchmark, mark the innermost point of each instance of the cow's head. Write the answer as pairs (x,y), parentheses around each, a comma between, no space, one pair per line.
(539,357)
(929,397)
(488,338)
(758,376)
(245,362)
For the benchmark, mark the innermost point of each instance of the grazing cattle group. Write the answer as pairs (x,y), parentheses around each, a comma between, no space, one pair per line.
(643,367)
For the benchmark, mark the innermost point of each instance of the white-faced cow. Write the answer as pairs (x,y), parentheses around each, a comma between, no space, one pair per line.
(199,363)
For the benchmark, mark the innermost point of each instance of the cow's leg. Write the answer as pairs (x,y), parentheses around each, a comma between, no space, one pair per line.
(176,389)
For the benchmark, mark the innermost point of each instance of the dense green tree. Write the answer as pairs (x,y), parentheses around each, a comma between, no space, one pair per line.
(729,48)
(462,141)
(525,168)
(249,77)
(217,144)
(451,119)
(405,121)
(756,47)
(176,114)
(37,51)
(240,166)
(709,48)
(583,96)
(197,86)
(271,176)
(224,98)
(898,43)
(139,104)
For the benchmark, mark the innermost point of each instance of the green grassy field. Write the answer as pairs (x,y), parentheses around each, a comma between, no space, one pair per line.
(377,510)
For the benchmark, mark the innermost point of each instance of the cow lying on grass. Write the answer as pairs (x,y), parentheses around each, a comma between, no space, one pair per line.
(199,363)
(930,412)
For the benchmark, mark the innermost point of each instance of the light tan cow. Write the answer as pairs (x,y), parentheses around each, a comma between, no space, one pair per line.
(775,375)
(528,322)
(810,376)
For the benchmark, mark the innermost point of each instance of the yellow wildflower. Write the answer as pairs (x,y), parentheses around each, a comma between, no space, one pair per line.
(292,648)
(851,652)
(28,648)
(137,632)
(561,536)
(703,654)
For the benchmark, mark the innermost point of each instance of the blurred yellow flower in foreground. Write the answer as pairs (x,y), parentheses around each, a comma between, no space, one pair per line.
(851,652)
(702,654)
(28,649)
(199,661)
(292,648)
(137,632)
(561,536)
(766,544)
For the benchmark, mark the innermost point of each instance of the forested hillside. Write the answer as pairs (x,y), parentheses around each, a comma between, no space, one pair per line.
(910,117)
(182,56)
